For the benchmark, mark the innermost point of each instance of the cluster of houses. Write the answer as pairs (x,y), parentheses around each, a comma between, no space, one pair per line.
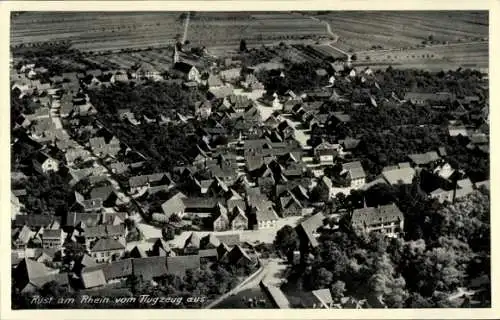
(95,270)
(261,175)
(95,219)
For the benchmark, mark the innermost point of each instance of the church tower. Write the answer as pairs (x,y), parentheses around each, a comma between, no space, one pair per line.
(349,60)
(175,57)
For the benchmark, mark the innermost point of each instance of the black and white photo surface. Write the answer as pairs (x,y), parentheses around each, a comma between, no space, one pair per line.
(262,160)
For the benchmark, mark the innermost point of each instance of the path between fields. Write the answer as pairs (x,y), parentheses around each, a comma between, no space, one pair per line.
(334,35)
(186,25)
(328,30)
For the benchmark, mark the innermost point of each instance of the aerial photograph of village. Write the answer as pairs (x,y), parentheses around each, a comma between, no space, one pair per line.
(259,160)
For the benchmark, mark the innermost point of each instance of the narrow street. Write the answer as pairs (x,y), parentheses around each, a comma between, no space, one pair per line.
(252,236)
(122,195)
(270,273)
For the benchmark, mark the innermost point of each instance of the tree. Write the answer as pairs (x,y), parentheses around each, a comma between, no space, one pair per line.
(174,218)
(416,301)
(165,145)
(243,46)
(320,193)
(133,235)
(468,220)
(442,268)
(384,283)
(133,283)
(380,194)
(333,171)
(333,257)
(74,251)
(287,240)
(47,195)
(338,289)
(168,233)
(129,224)
(322,278)
(197,221)
(83,186)
(340,198)
(52,289)
(377,242)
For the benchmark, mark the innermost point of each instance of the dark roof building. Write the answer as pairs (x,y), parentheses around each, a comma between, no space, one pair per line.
(107,245)
(229,239)
(178,265)
(423,159)
(30,275)
(35,220)
(387,219)
(150,268)
(182,67)
(308,228)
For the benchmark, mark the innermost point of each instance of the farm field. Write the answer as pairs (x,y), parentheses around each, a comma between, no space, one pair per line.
(429,66)
(101,31)
(470,55)
(398,36)
(96,31)
(360,31)
(326,50)
(218,29)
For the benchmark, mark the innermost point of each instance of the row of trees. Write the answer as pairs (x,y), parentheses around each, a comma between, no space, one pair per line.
(42,49)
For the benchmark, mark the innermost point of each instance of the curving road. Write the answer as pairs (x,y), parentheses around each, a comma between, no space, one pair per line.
(334,36)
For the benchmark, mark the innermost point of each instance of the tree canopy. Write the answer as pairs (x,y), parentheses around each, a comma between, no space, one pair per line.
(445,248)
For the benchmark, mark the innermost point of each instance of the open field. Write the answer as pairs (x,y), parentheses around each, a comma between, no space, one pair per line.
(97,30)
(360,31)
(211,29)
(465,55)
(398,36)
(100,31)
